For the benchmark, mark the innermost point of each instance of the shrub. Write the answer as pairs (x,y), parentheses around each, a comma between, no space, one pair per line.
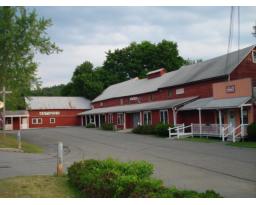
(107,126)
(90,125)
(162,130)
(111,178)
(144,129)
(251,131)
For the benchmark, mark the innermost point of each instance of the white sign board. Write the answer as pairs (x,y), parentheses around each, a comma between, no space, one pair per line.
(49,113)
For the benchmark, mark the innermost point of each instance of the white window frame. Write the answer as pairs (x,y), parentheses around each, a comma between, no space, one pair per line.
(146,120)
(164,121)
(110,118)
(7,122)
(180,91)
(37,121)
(254,56)
(54,120)
(120,118)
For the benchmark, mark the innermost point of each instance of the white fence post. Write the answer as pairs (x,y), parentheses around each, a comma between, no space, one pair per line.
(234,135)
(222,134)
(19,139)
(60,159)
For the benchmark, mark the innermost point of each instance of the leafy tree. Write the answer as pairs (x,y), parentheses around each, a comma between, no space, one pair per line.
(22,34)
(86,81)
(55,90)
(137,59)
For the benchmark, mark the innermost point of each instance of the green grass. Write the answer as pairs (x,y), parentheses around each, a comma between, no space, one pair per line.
(11,142)
(36,186)
(243,144)
(201,139)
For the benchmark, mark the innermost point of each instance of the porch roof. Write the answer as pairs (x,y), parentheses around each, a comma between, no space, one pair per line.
(211,103)
(165,104)
(17,113)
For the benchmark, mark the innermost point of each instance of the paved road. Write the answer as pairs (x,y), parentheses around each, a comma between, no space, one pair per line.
(189,165)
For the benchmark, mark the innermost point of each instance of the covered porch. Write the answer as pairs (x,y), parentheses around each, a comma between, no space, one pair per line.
(15,120)
(224,118)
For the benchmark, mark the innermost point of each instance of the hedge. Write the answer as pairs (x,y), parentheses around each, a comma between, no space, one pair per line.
(251,131)
(107,126)
(111,178)
(160,130)
(90,125)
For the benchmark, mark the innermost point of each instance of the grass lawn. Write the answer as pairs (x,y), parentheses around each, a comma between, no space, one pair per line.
(36,186)
(11,142)
(243,144)
(200,139)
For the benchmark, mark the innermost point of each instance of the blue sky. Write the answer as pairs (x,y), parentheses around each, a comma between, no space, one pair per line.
(86,33)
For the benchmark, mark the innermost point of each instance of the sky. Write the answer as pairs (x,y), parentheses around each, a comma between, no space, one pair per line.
(86,33)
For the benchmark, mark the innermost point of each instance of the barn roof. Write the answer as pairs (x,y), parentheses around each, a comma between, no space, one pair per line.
(215,67)
(68,103)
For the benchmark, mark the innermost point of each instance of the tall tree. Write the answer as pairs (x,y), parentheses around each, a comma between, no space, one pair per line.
(137,59)
(22,34)
(86,81)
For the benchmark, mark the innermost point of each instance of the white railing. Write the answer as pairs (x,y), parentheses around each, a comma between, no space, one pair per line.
(214,130)
(239,132)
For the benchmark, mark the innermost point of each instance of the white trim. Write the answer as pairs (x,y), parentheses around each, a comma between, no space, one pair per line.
(147,112)
(52,118)
(37,121)
(122,118)
(166,120)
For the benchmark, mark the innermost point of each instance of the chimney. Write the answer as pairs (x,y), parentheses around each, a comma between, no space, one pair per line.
(156,73)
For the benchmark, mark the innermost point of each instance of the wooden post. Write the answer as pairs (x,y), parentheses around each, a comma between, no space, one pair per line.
(60,159)
(19,139)
(200,121)
(124,118)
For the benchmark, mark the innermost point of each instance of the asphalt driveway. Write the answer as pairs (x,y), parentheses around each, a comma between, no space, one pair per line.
(228,170)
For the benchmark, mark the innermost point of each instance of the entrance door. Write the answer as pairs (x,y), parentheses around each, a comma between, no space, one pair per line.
(24,123)
(135,119)
(231,119)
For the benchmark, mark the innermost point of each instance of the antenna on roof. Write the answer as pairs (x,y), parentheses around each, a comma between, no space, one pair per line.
(230,37)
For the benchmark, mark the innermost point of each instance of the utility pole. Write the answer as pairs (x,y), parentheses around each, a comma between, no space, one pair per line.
(4,92)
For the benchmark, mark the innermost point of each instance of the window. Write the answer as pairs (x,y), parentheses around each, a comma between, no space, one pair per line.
(8,121)
(121,101)
(170,93)
(254,56)
(101,104)
(52,120)
(164,116)
(147,118)
(36,121)
(110,118)
(120,119)
(245,117)
(179,91)
(150,97)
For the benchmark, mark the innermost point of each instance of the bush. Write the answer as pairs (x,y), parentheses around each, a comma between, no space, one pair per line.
(111,178)
(251,131)
(90,125)
(107,126)
(162,130)
(144,129)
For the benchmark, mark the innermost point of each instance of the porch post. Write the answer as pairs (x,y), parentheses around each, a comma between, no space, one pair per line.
(20,123)
(242,121)
(94,119)
(220,122)
(140,118)
(82,120)
(124,120)
(99,121)
(174,116)
(200,121)
(85,118)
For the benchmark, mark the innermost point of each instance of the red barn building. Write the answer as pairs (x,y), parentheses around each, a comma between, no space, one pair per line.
(217,91)
(55,111)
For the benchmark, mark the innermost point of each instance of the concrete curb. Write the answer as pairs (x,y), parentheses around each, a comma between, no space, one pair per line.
(11,150)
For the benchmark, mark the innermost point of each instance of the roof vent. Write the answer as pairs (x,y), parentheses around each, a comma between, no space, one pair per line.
(156,73)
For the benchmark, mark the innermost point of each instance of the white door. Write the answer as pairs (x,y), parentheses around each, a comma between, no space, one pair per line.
(231,119)
(24,123)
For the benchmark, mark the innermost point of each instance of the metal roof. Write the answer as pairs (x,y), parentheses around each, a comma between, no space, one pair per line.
(208,69)
(67,103)
(165,104)
(211,103)
(16,113)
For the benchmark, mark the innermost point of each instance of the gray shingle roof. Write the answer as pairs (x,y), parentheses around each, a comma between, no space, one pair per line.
(211,103)
(212,68)
(43,102)
(165,104)
(17,113)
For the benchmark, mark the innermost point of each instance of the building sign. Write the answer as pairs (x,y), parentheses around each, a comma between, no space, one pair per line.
(133,98)
(49,113)
(230,89)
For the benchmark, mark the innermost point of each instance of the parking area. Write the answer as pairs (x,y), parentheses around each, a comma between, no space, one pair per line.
(189,165)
